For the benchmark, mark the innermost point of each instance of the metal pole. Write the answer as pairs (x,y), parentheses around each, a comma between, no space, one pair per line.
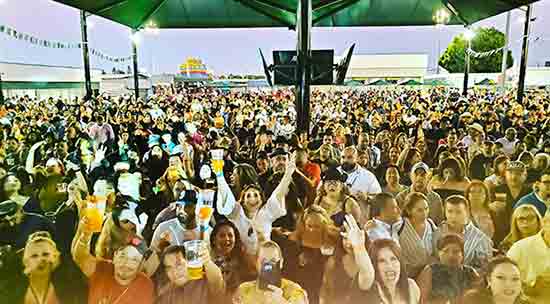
(505,52)
(1,90)
(303,65)
(466,70)
(135,60)
(524,54)
(86,55)
(438,26)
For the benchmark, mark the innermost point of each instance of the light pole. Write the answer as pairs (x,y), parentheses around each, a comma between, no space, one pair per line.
(1,90)
(468,36)
(505,51)
(441,18)
(524,54)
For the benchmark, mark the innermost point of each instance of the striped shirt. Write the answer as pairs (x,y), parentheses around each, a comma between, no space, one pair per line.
(478,247)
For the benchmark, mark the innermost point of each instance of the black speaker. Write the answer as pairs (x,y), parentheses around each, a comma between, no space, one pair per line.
(322,66)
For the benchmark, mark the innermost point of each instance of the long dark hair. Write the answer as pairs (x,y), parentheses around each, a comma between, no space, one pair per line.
(246,175)
(403,281)
(237,250)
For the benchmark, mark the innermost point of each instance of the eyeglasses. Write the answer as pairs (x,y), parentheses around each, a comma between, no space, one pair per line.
(528,218)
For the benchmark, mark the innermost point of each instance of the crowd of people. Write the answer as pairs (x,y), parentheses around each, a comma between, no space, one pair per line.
(198,195)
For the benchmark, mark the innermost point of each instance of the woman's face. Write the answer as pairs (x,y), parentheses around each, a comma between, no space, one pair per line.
(420,211)
(252,199)
(505,282)
(224,241)
(451,255)
(392,176)
(234,178)
(477,195)
(394,154)
(527,222)
(388,266)
(12,184)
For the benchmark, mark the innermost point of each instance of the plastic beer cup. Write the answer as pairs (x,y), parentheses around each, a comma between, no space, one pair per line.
(217,160)
(194,262)
(95,211)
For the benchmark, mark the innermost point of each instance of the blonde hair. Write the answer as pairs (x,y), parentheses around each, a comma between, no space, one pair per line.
(515,234)
(40,237)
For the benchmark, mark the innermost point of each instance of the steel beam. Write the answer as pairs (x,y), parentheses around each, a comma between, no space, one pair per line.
(86,55)
(135,61)
(303,65)
(524,54)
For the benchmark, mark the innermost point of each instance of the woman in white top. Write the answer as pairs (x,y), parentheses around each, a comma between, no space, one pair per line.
(252,215)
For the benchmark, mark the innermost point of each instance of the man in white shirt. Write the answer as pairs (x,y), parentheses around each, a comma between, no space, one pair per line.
(360,180)
(387,221)
(509,141)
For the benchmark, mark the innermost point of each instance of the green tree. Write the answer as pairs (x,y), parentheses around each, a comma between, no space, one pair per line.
(486,39)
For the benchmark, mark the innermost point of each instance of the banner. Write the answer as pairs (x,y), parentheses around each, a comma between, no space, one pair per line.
(13,33)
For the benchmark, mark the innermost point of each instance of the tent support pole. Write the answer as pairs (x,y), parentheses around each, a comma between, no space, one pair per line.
(303,65)
(466,69)
(135,62)
(524,54)
(86,55)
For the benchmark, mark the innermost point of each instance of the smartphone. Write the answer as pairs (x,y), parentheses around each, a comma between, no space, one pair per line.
(270,274)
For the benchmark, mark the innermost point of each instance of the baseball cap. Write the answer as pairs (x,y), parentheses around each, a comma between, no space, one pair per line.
(420,165)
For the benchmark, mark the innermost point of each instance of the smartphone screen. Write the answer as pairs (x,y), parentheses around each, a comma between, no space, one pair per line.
(270,274)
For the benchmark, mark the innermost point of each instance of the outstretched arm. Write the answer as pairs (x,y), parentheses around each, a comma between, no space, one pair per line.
(81,250)
(356,236)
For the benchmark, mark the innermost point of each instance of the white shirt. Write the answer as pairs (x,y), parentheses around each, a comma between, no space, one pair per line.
(261,223)
(177,232)
(507,146)
(384,230)
(362,180)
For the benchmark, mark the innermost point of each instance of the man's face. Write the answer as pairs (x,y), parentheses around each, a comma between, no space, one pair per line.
(12,144)
(279,163)
(41,258)
(363,140)
(515,177)
(419,179)
(451,139)
(175,266)
(451,255)
(391,212)
(301,158)
(543,186)
(457,215)
(327,139)
(262,165)
(510,135)
(350,157)
(127,262)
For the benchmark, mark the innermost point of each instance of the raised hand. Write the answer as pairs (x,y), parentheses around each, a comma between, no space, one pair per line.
(100,154)
(354,234)
(291,165)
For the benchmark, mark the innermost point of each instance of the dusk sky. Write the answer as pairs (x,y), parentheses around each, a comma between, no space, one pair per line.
(230,50)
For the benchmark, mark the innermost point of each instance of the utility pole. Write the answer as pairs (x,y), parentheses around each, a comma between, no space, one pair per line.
(524,54)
